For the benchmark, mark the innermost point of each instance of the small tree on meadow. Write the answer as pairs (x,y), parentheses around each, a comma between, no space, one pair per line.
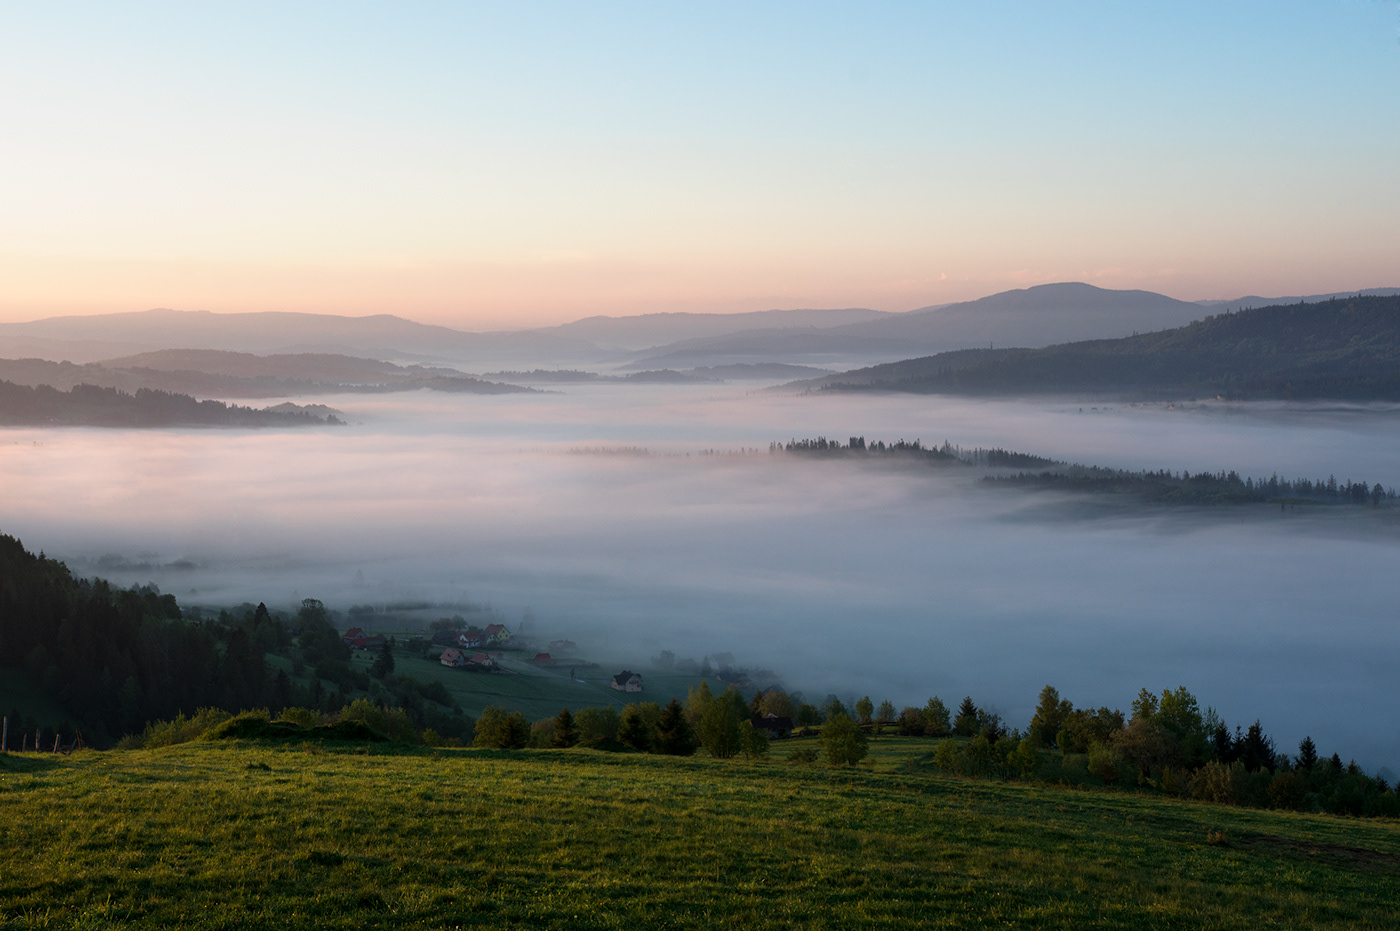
(886,713)
(674,735)
(384,662)
(597,724)
(697,702)
(719,730)
(501,730)
(935,718)
(637,727)
(1049,717)
(1307,754)
(755,741)
(969,719)
(565,733)
(842,740)
(865,710)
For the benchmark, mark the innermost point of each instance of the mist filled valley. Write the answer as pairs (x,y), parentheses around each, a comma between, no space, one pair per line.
(640,518)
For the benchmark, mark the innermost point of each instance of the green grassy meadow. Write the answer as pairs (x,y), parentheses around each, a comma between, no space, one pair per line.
(236,834)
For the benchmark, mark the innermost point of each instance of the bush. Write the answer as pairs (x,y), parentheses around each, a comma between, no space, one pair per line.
(595,724)
(176,731)
(392,723)
(1216,782)
(498,729)
(301,717)
(842,741)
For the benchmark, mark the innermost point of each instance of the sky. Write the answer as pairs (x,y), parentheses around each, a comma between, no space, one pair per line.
(494,166)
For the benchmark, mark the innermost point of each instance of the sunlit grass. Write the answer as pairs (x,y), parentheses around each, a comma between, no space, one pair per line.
(207,836)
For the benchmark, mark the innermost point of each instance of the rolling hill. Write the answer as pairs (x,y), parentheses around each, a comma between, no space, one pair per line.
(1343,348)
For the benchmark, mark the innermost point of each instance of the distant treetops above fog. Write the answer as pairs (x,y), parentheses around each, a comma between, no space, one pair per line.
(91,406)
(1161,486)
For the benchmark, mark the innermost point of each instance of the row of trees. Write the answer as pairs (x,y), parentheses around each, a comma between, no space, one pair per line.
(1168,743)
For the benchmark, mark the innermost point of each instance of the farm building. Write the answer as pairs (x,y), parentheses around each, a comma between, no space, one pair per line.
(775,726)
(627,681)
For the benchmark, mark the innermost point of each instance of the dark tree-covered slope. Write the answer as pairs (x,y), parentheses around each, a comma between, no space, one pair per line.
(91,406)
(1344,349)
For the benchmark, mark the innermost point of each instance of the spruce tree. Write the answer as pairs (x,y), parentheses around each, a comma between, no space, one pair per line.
(674,735)
(384,662)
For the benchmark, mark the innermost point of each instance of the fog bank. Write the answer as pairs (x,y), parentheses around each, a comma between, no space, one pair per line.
(844,576)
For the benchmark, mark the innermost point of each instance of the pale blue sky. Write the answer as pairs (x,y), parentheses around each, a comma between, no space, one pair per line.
(531,163)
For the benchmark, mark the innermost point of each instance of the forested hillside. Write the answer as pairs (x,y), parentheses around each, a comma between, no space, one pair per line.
(114,660)
(91,406)
(1343,349)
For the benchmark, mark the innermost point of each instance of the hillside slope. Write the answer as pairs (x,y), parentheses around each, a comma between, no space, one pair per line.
(1345,349)
(237,834)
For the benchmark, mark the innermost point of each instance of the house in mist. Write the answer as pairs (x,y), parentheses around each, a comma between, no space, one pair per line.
(454,658)
(543,659)
(775,725)
(359,640)
(627,681)
(495,634)
(562,646)
(470,639)
(481,661)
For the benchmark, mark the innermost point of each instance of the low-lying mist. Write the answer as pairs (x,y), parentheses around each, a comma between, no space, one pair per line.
(599,510)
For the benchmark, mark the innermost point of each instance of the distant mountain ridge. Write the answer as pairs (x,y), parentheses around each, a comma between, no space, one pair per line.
(216,373)
(1031,317)
(648,330)
(1343,349)
(382,335)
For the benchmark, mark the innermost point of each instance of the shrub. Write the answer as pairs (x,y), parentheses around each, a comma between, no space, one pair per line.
(392,723)
(842,741)
(178,730)
(301,717)
(498,729)
(1216,782)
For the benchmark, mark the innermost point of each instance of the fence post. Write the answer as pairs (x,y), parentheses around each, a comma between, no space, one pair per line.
(5,735)
(56,738)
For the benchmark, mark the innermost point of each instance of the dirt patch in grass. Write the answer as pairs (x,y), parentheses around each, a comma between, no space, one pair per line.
(1337,855)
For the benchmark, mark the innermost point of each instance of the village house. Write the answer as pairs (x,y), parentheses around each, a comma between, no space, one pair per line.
(627,681)
(359,640)
(482,661)
(453,658)
(543,659)
(775,726)
(495,634)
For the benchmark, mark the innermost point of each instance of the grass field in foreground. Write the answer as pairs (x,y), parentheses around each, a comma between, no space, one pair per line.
(225,835)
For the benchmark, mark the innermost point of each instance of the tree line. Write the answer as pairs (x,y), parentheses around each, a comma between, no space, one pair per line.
(1165,743)
(1163,485)
(93,406)
(115,659)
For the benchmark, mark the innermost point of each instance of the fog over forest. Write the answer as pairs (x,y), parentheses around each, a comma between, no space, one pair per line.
(844,576)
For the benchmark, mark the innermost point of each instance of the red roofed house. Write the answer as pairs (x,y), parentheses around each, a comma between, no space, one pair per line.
(453,658)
